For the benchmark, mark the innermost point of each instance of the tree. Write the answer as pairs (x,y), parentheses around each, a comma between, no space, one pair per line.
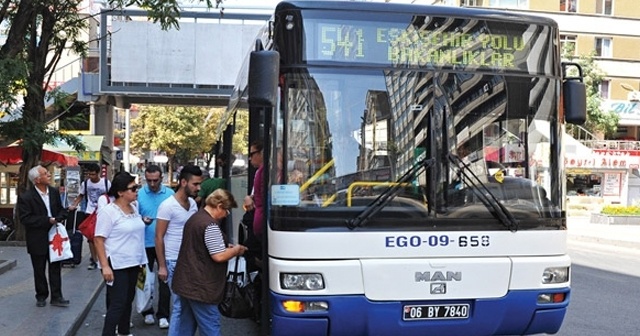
(240,135)
(175,130)
(598,121)
(38,32)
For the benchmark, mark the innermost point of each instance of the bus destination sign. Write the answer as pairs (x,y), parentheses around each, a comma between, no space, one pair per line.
(388,43)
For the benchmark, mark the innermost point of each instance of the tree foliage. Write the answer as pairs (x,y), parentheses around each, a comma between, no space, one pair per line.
(38,32)
(165,12)
(183,132)
(176,131)
(240,131)
(598,120)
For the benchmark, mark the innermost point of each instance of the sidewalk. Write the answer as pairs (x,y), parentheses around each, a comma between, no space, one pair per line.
(19,315)
(18,312)
(580,229)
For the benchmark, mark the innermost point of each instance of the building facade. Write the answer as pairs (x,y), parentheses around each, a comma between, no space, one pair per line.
(610,30)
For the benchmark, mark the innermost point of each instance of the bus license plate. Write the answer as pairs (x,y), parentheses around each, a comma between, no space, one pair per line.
(433,312)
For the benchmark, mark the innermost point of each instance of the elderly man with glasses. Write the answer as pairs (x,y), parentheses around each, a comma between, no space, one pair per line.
(149,199)
(39,208)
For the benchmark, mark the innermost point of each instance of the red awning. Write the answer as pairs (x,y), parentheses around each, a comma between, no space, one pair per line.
(13,155)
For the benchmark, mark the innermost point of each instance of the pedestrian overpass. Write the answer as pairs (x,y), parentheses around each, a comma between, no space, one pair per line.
(196,64)
(131,60)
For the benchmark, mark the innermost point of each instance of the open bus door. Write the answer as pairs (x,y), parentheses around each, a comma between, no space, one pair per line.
(264,69)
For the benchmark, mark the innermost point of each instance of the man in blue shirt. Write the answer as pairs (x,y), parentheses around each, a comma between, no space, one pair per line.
(149,199)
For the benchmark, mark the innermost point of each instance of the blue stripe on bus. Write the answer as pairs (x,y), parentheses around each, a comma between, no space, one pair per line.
(517,313)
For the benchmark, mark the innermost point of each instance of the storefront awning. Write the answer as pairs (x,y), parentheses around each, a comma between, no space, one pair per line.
(96,149)
(13,155)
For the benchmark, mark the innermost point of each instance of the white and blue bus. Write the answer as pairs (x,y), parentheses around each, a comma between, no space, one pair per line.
(414,172)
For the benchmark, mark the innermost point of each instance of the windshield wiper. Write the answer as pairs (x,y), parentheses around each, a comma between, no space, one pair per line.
(383,199)
(484,194)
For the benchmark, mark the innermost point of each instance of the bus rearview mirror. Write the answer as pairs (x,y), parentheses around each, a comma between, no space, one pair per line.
(264,69)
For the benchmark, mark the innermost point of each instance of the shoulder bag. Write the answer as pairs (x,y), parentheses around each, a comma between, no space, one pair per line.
(88,225)
(238,300)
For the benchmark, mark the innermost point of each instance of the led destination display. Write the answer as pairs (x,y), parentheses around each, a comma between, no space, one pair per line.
(472,46)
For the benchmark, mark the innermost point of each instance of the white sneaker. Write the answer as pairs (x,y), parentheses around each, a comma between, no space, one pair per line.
(163,323)
(149,320)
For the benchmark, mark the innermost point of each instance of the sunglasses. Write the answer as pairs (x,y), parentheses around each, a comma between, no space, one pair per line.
(251,153)
(133,188)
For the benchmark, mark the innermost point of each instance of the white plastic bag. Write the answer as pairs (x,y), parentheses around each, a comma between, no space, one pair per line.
(243,277)
(144,290)
(59,244)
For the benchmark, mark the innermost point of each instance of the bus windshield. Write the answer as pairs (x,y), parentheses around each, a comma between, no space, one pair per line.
(348,136)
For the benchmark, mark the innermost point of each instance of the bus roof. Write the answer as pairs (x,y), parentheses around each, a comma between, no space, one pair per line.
(478,13)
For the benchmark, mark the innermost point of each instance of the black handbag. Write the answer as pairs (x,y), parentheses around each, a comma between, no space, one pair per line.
(238,300)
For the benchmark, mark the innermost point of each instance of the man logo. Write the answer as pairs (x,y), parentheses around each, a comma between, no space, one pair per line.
(438,288)
(438,276)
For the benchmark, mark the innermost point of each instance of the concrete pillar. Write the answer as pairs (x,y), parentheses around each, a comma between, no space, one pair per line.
(127,141)
(103,124)
(108,125)
(92,118)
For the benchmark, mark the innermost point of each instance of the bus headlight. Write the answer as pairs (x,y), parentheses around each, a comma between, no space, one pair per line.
(301,281)
(553,275)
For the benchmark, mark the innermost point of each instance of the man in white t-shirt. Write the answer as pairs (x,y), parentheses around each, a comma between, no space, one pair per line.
(172,214)
(93,187)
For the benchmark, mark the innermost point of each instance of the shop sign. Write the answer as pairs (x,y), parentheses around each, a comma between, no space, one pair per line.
(600,162)
(85,155)
(625,109)
(612,183)
(514,153)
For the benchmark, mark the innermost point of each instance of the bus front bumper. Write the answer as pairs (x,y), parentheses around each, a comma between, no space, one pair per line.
(518,313)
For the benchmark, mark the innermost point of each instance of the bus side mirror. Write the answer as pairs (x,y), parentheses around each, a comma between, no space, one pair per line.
(574,94)
(264,69)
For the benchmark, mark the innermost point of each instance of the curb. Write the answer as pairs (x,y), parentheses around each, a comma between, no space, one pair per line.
(610,242)
(77,323)
(6,265)
(13,243)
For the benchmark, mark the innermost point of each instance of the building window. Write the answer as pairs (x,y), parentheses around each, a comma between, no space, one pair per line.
(604,7)
(519,4)
(568,44)
(472,3)
(568,6)
(604,89)
(603,47)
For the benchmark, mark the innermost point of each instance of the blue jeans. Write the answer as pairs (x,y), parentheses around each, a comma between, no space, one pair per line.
(176,310)
(195,315)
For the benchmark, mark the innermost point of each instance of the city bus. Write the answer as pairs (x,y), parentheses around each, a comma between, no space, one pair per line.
(413,179)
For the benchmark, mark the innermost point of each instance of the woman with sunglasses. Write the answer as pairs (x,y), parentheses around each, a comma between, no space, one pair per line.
(119,242)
